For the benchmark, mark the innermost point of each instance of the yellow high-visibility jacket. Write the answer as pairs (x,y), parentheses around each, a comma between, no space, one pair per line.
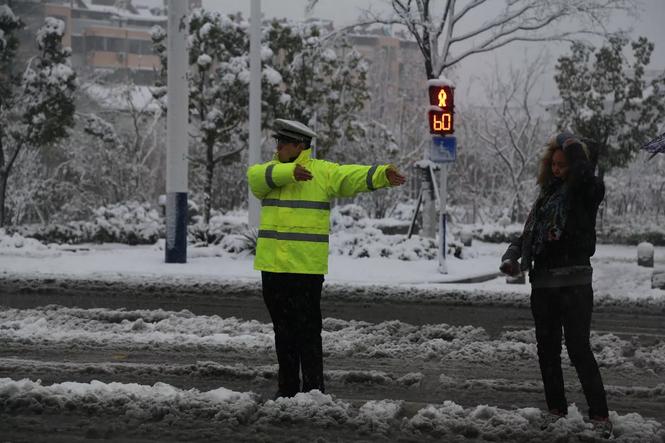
(295,215)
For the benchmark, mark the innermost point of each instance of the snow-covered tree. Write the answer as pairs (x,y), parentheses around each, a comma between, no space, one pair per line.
(126,155)
(607,99)
(445,35)
(37,108)
(513,133)
(325,80)
(219,90)
(441,27)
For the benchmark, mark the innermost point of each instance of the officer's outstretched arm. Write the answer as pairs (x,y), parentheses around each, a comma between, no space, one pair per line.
(265,177)
(349,180)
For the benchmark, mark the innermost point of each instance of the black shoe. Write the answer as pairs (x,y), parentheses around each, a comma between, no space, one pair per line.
(280,394)
(602,426)
(551,417)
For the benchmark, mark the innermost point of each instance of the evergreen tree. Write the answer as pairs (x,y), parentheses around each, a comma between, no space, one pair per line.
(37,108)
(326,81)
(607,100)
(219,90)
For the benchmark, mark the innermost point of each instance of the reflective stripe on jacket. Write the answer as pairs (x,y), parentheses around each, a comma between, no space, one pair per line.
(295,215)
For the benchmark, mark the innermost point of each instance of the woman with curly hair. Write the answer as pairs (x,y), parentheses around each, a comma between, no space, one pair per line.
(555,247)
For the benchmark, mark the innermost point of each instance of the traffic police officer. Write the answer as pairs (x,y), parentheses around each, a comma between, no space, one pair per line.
(292,248)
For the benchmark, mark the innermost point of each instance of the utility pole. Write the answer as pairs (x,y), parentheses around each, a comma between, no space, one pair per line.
(254,102)
(177,134)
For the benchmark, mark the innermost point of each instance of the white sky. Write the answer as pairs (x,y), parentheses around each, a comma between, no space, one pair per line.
(650,23)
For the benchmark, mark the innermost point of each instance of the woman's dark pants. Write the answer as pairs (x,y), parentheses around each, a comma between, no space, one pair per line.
(568,307)
(294,303)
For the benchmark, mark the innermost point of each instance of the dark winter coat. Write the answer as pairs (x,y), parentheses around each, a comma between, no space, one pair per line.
(564,262)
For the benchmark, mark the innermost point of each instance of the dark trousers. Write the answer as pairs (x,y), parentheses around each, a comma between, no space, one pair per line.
(294,303)
(568,307)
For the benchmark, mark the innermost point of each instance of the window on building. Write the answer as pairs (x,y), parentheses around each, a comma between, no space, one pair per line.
(141,47)
(146,47)
(78,45)
(115,44)
(134,47)
(94,43)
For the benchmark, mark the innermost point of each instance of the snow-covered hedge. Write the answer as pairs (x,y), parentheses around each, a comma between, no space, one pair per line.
(356,235)
(131,223)
(632,234)
(494,233)
(624,234)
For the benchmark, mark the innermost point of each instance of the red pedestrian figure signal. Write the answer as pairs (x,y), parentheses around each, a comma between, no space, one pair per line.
(441,113)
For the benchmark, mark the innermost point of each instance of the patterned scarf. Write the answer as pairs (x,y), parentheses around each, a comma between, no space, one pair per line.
(546,221)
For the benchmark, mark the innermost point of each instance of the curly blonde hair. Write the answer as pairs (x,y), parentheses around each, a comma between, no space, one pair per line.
(545,170)
(553,144)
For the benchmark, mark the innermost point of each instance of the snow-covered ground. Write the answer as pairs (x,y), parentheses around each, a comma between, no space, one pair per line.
(161,401)
(617,278)
(426,377)
(131,329)
(156,374)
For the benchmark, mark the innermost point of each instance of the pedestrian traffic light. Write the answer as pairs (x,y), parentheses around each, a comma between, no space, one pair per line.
(441,97)
(441,116)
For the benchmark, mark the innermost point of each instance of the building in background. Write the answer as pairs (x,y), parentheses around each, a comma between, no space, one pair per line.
(109,38)
(395,69)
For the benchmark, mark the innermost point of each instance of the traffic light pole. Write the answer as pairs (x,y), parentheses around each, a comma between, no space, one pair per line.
(443,218)
(443,151)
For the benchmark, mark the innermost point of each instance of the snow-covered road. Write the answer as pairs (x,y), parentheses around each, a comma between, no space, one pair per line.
(156,375)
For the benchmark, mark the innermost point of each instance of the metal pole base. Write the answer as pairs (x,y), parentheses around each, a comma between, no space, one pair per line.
(176,227)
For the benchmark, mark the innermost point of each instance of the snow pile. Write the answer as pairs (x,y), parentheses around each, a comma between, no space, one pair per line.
(102,327)
(98,328)
(137,403)
(378,416)
(483,422)
(17,245)
(635,428)
(312,407)
(165,405)
(373,377)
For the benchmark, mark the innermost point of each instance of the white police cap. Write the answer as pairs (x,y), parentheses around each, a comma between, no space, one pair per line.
(292,129)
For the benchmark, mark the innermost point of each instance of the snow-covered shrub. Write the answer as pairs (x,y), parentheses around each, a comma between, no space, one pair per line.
(494,233)
(241,243)
(354,235)
(131,223)
(347,217)
(403,211)
(632,234)
(221,224)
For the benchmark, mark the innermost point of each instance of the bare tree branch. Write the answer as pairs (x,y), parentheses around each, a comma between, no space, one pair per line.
(466,9)
(227,154)
(559,37)
(497,23)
